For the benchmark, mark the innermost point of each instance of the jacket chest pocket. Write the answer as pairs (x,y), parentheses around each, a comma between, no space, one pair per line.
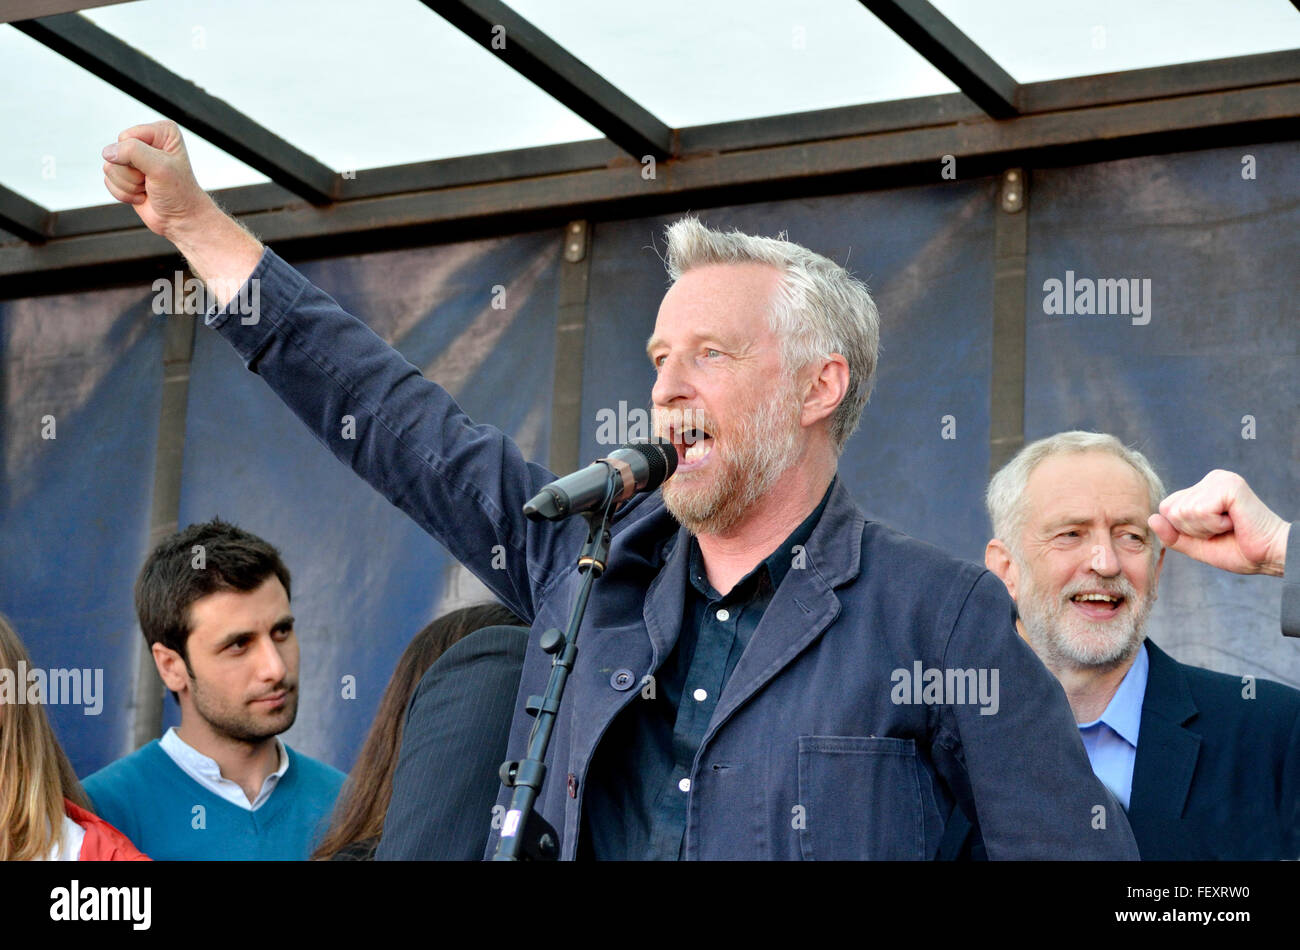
(862,797)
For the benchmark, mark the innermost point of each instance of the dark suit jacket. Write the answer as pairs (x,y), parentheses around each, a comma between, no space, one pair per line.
(1217,774)
(452,745)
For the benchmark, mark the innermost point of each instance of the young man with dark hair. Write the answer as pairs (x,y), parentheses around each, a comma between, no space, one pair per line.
(213,604)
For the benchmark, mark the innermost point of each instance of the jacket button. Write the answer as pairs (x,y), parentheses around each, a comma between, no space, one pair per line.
(622,680)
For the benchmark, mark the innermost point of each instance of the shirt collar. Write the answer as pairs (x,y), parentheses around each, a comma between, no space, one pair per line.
(776,565)
(206,771)
(779,561)
(1124,711)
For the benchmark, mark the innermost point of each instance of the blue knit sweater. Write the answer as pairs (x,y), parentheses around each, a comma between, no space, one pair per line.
(169,816)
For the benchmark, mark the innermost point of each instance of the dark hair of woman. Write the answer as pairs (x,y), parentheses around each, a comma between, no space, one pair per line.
(358,816)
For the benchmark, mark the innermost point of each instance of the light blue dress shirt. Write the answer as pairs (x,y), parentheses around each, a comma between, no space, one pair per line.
(207,773)
(1112,740)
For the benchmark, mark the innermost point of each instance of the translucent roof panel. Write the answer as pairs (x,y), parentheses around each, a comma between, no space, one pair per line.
(356,85)
(1036,41)
(693,62)
(57,118)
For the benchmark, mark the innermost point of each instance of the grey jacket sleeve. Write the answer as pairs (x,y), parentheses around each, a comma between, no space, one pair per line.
(1291,582)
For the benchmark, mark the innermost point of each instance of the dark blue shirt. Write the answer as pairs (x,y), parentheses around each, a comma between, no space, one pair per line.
(639,783)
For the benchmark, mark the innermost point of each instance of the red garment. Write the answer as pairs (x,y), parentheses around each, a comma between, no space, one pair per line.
(103,842)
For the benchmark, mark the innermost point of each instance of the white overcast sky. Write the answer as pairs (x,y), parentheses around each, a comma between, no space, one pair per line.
(384,82)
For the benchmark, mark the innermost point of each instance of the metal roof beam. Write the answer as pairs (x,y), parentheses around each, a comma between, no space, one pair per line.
(1158,82)
(950,51)
(134,73)
(381,182)
(23,218)
(849,164)
(556,71)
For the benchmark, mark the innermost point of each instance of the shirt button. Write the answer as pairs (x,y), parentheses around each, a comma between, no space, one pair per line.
(684,785)
(723,614)
(622,680)
(700,695)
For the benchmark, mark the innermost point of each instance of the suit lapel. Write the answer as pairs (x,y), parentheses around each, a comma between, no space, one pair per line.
(665,600)
(1167,751)
(642,559)
(804,605)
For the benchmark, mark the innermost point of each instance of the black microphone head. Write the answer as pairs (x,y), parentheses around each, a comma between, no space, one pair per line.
(661,458)
(547,505)
(669,452)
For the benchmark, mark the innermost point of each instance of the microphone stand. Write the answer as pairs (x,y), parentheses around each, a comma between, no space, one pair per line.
(526,835)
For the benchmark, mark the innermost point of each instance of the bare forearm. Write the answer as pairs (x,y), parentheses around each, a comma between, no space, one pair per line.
(220,251)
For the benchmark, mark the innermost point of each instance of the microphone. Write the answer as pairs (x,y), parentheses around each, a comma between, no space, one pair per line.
(640,466)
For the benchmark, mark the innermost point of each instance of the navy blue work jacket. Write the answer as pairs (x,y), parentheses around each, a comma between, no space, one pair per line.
(820,747)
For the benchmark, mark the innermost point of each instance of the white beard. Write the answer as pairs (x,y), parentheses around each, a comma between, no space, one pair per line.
(1065,639)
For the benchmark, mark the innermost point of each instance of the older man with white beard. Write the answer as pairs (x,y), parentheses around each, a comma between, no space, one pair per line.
(1206,765)
(731,696)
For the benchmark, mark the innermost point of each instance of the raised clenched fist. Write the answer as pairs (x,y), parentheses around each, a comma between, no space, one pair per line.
(1220,521)
(148,167)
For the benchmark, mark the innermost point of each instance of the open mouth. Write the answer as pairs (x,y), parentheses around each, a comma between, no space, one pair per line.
(693,447)
(696,443)
(1098,605)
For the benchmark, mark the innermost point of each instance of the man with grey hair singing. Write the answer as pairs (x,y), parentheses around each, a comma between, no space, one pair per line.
(1206,765)
(744,683)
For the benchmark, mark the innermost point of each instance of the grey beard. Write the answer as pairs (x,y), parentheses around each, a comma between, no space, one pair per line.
(1063,640)
(761,451)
